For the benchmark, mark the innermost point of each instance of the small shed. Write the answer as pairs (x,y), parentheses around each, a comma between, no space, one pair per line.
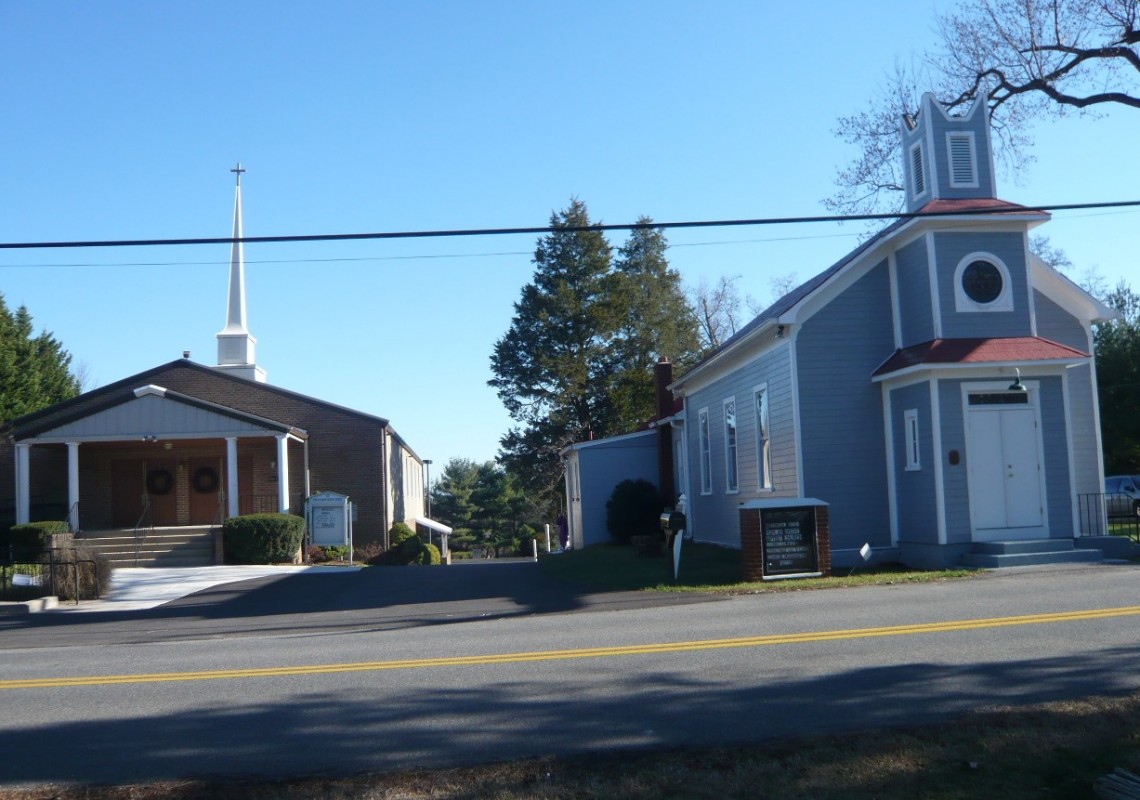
(594,469)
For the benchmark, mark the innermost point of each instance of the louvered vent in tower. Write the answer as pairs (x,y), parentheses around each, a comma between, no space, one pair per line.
(918,174)
(963,168)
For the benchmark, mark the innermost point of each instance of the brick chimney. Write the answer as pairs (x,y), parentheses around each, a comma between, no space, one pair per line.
(662,377)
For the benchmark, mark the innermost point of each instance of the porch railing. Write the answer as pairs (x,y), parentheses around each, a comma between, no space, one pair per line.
(1108,515)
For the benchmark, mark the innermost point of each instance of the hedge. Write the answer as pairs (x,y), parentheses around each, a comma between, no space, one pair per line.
(263,538)
(32,535)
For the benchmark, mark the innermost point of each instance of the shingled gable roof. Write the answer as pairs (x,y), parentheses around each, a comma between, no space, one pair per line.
(1014,350)
(934,209)
(54,421)
(89,402)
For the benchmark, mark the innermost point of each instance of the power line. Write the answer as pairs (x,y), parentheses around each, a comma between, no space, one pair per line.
(341,237)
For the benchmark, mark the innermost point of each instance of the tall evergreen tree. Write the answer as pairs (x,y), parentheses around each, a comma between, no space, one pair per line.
(656,322)
(553,367)
(35,371)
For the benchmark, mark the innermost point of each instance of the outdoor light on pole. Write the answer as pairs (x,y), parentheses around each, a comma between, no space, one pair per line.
(427,464)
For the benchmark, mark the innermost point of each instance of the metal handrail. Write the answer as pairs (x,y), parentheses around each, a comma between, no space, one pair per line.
(139,526)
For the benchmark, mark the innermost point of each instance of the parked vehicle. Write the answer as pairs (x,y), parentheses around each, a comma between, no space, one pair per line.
(1122,496)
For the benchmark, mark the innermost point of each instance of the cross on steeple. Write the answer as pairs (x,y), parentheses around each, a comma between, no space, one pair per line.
(238,171)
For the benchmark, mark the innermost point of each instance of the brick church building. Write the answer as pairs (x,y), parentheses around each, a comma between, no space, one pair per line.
(184,444)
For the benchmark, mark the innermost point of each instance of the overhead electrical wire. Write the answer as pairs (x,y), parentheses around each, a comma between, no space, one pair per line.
(340,237)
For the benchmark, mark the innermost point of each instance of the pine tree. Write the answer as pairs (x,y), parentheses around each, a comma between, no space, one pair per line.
(657,322)
(34,370)
(553,367)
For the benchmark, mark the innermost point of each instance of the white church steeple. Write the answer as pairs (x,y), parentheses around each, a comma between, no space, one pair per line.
(235,344)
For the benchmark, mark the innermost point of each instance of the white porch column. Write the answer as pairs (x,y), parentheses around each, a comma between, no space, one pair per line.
(233,507)
(73,485)
(23,484)
(283,474)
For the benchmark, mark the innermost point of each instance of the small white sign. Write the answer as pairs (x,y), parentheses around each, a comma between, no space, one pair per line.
(26,580)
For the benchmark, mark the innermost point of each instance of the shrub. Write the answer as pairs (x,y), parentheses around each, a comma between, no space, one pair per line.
(33,535)
(263,538)
(634,509)
(320,555)
(414,551)
(92,569)
(398,534)
(372,553)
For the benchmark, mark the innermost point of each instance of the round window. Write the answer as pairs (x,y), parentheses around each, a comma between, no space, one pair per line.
(982,282)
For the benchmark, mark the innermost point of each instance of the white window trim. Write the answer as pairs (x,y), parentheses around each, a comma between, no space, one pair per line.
(731,453)
(914,175)
(951,135)
(913,443)
(1003,302)
(763,439)
(704,450)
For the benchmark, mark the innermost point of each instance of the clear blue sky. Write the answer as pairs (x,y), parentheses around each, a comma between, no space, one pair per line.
(123,119)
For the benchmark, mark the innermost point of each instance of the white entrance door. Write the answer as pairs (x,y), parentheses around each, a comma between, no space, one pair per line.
(1006,499)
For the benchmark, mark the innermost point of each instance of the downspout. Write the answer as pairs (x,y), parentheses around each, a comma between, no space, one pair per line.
(385,494)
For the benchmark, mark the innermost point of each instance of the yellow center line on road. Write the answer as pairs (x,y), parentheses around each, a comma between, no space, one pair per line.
(586,652)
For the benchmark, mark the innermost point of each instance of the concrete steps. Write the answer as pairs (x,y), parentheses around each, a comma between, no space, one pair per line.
(1031,552)
(156,547)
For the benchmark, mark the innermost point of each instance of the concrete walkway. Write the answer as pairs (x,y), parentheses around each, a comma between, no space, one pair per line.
(139,588)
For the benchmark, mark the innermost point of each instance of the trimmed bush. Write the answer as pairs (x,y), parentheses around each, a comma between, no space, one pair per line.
(634,509)
(398,534)
(33,535)
(263,538)
(414,551)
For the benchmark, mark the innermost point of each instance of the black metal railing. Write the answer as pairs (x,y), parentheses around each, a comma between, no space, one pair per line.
(1109,515)
(30,573)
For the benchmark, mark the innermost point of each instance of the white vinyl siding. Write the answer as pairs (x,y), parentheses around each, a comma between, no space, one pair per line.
(913,454)
(731,464)
(706,451)
(763,439)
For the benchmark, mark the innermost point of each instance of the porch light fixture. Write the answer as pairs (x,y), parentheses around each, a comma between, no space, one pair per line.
(1017,385)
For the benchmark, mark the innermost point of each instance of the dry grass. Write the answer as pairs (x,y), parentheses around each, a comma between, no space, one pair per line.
(1054,750)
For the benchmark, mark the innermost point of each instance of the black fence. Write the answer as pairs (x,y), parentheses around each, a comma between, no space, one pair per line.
(1109,515)
(66,573)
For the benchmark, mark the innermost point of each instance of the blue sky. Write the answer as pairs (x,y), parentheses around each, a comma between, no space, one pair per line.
(123,119)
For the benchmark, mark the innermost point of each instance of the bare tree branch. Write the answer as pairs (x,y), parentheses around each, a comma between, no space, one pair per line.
(1026,59)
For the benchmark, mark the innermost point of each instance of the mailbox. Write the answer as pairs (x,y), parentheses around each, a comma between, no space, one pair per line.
(672,521)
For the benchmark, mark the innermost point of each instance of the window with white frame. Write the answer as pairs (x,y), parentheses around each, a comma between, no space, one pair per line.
(763,441)
(706,451)
(913,455)
(731,466)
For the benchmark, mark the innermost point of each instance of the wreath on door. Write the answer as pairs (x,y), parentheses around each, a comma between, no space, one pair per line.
(159,482)
(205,480)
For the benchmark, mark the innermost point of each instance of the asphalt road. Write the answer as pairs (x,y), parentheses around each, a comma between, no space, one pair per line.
(324,680)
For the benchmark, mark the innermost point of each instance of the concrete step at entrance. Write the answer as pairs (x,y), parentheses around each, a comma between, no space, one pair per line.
(163,547)
(1028,553)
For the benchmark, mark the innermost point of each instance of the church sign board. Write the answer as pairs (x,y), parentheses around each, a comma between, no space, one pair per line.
(784,538)
(329,519)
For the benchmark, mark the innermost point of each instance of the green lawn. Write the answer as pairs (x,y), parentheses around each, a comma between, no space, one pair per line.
(707,568)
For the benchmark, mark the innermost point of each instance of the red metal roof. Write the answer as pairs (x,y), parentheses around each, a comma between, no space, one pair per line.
(988,204)
(979,351)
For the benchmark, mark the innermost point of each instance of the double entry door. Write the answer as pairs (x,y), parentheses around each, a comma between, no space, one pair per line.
(1005,467)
